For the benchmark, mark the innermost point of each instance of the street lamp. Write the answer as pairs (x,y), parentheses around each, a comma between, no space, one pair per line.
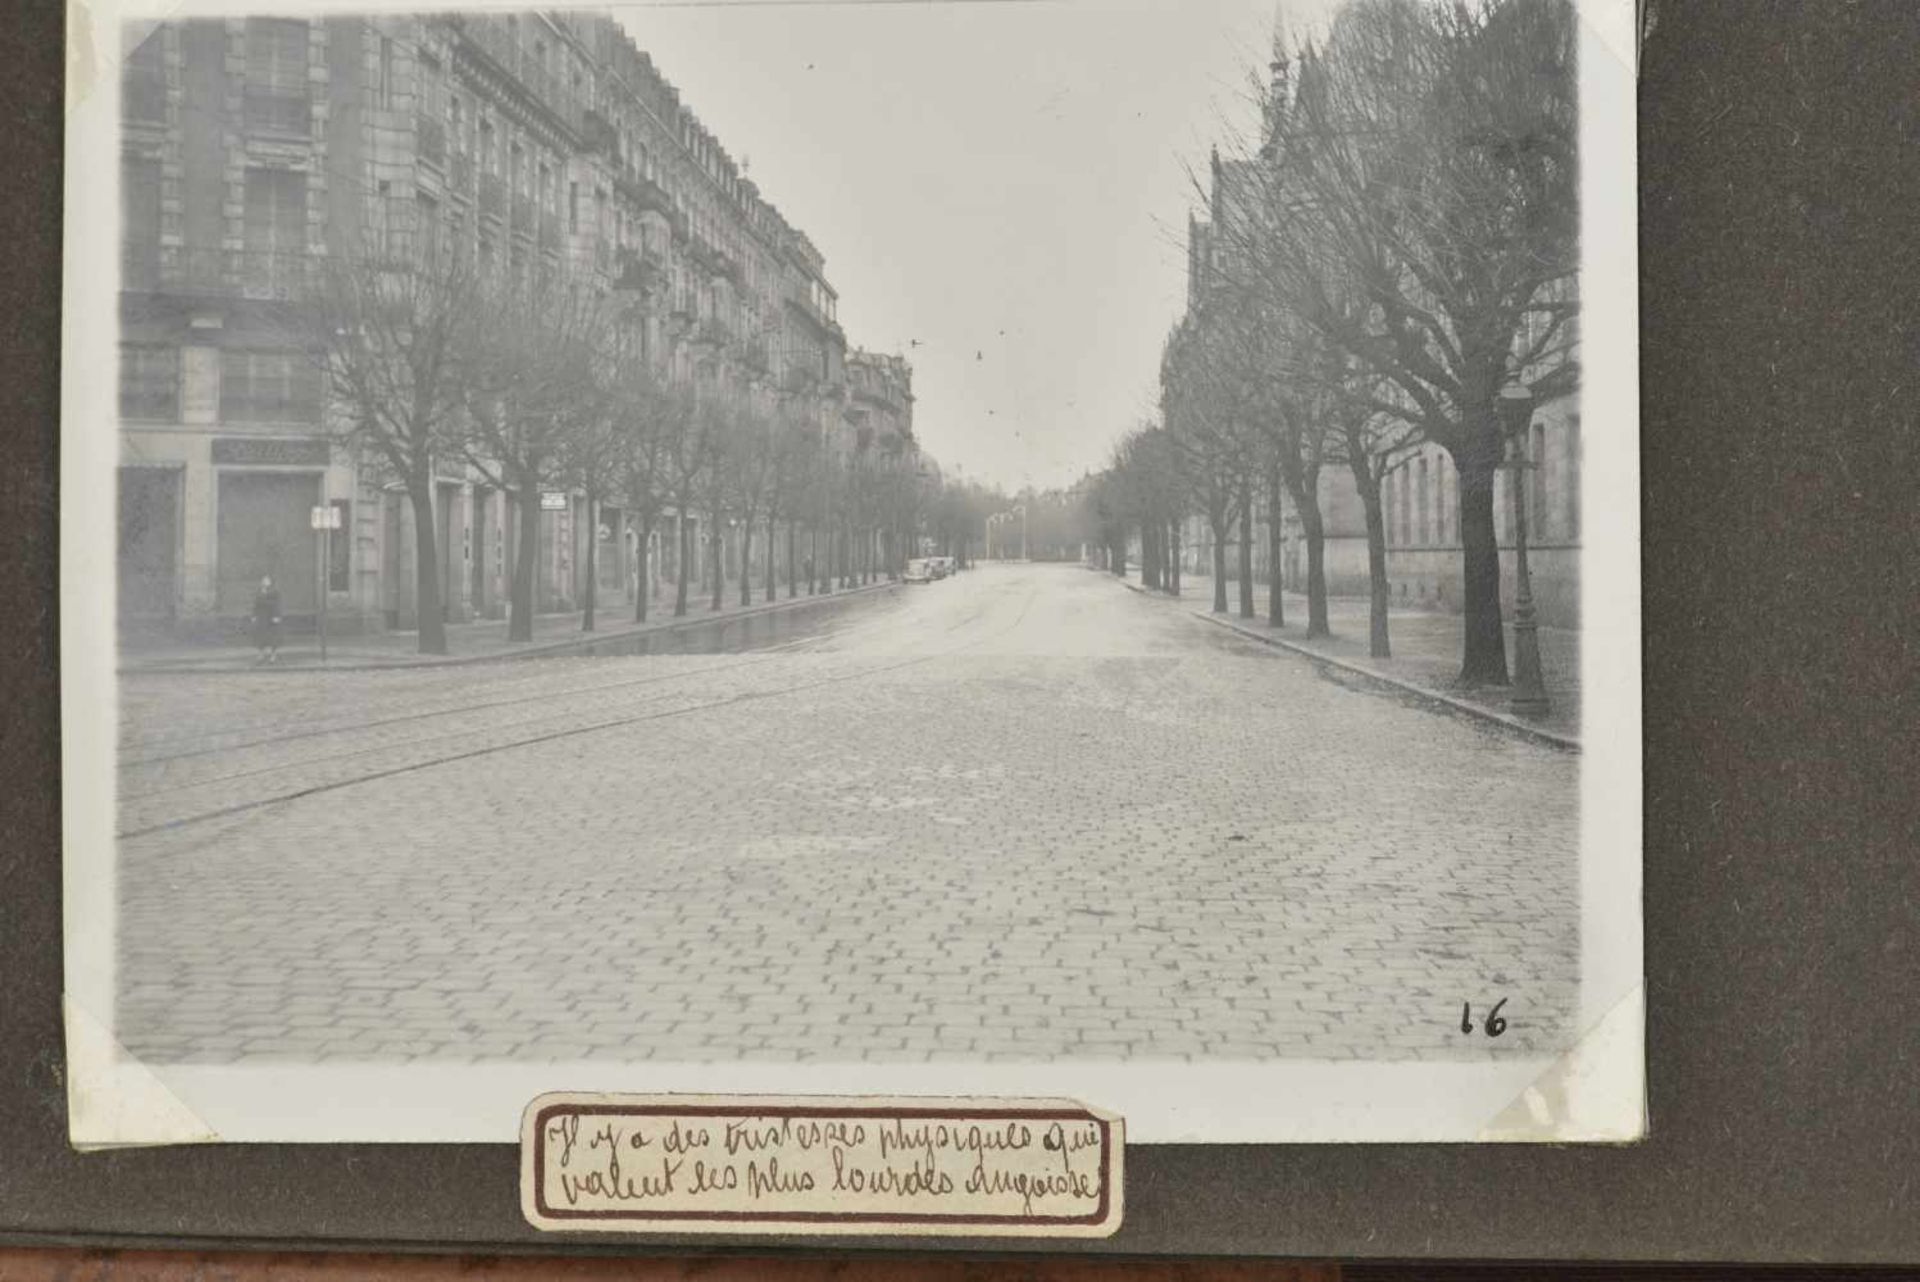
(1529,688)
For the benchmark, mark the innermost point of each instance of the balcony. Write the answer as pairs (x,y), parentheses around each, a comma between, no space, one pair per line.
(493,195)
(648,195)
(283,114)
(638,270)
(522,214)
(239,273)
(492,37)
(601,136)
(432,141)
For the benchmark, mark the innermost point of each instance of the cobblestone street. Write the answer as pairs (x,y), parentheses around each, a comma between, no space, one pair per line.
(1018,814)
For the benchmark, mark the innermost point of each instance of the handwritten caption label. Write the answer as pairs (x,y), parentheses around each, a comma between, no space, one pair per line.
(767,1164)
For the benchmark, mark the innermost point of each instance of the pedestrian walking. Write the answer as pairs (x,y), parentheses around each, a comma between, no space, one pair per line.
(266,621)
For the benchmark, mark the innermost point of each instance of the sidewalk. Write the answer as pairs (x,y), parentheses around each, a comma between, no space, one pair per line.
(483,641)
(1426,652)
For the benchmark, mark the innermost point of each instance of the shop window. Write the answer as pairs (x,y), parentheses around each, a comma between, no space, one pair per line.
(268,387)
(149,382)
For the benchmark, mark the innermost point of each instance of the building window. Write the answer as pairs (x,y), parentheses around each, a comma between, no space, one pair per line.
(268,387)
(143,81)
(573,206)
(384,90)
(149,382)
(1537,479)
(140,211)
(278,99)
(276,213)
(426,229)
(1423,534)
(1573,477)
(1440,506)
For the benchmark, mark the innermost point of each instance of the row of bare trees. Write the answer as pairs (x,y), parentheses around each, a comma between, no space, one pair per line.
(1395,258)
(547,385)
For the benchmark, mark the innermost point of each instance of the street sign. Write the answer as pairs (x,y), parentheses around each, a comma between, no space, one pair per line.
(325,517)
(553,502)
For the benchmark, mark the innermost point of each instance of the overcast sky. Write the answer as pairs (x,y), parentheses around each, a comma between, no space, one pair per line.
(1004,181)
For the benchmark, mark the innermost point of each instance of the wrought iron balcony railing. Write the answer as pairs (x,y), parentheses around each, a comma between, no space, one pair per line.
(242,273)
(493,37)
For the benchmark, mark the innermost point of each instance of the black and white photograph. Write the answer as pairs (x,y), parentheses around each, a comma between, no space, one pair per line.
(979,547)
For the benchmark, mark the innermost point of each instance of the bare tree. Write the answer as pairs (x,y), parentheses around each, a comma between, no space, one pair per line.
(1429,169)
(390,333)
(531,392)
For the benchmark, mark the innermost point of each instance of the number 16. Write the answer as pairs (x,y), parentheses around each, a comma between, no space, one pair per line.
(1495,1024)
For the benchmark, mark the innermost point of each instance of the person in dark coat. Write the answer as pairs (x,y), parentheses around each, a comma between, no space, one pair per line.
(266,621)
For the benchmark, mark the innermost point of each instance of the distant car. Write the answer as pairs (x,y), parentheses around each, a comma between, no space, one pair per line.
(919,571)
(942,566)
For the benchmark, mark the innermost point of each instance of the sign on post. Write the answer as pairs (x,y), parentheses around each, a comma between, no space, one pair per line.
(325,518)
(552,502)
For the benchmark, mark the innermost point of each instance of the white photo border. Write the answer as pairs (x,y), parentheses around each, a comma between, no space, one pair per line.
(1594,1093)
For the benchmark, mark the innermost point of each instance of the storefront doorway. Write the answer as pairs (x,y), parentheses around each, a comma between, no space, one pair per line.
(149,543)
(265,527)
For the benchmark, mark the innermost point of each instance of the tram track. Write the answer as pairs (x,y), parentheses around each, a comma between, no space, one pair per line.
(651,713)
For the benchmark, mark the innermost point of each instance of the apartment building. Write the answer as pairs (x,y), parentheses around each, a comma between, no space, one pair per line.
(535,142)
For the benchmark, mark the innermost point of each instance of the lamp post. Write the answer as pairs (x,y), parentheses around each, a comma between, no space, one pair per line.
(1529,688)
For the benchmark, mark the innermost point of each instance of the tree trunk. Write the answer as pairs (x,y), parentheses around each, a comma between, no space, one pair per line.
(426,560)
(772,593)
(1174,557)
(1276,574)
(1246,548)
(1316,535)
(717,554)
(520,622)
(1378,594)
(1304,484)
(1217,522)
(793,581)
(643,580)
(746,558)
(1484,661)
(593,573)
(684,543)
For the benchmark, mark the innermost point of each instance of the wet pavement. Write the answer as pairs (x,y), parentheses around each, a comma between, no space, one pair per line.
(1021,814)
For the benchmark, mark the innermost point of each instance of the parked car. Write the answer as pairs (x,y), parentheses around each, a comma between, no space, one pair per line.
(919,571)
(942,566)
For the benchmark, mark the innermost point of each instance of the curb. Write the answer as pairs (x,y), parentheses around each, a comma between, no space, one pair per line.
(536,651)
(1512,724)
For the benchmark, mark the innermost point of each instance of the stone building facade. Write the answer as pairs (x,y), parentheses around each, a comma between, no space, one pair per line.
(1420,495)
(536,143)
